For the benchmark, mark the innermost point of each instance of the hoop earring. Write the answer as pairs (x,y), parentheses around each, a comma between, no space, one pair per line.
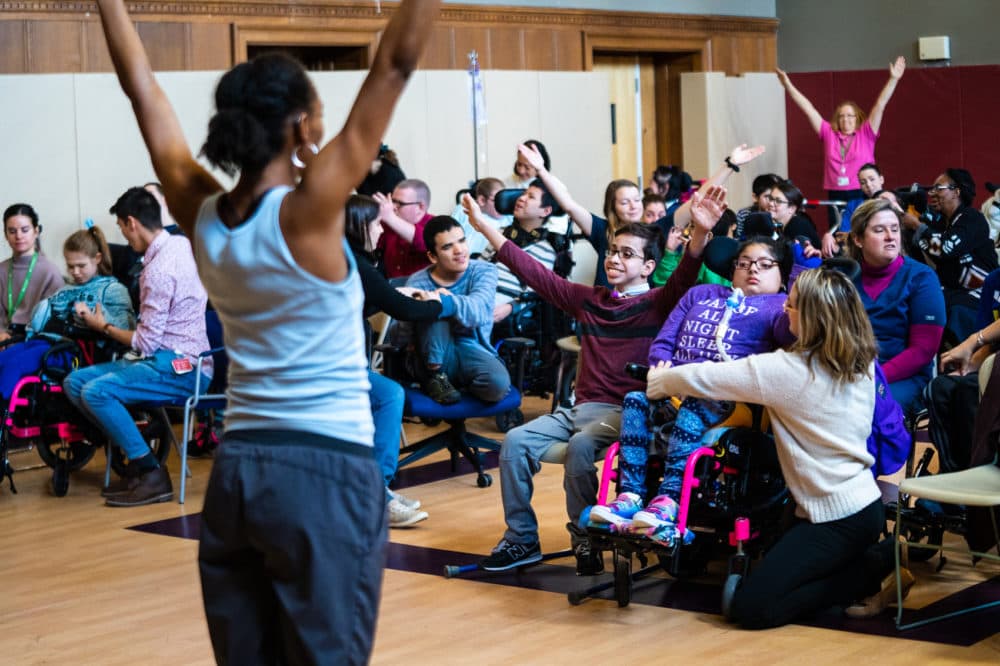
(297,161)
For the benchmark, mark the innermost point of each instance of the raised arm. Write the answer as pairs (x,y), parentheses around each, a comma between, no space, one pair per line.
(737,157)
(706,211)
(479,223)
(557,189)
(896,69)
(815,120)
(185,182)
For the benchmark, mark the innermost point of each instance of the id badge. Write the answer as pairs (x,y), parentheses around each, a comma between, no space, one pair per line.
(843,181)
(181,366)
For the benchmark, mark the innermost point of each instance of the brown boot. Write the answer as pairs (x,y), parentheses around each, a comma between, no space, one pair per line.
(121,485)
(149,488)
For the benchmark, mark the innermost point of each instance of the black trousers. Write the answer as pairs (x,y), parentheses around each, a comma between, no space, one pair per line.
(292,549)
(952,401)
(814,566)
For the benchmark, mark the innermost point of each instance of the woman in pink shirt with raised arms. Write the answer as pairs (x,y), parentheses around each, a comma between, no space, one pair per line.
(848,141)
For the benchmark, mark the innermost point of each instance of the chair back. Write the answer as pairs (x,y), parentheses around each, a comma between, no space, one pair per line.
(220,374)
(985,370)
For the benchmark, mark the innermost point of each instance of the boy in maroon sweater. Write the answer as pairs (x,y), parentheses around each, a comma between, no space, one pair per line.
(616,326)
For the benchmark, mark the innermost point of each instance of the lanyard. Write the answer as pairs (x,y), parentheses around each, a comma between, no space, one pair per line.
(11,305)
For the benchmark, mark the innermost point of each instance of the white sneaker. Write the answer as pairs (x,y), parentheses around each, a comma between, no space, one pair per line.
(401,515)
(404,500)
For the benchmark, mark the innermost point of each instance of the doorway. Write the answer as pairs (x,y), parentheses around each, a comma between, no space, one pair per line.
(645,109)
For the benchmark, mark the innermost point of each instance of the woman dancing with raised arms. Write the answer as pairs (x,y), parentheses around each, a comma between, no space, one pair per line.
(293,528)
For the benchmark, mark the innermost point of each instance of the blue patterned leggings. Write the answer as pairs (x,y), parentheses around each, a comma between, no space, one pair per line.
(695,416)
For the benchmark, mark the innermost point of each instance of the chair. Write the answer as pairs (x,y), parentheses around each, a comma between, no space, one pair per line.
(979,486)
(213,397)
(457,439)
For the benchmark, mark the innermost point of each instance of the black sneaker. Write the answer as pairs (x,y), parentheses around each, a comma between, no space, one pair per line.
(509,555)
(589,562)
(439,389)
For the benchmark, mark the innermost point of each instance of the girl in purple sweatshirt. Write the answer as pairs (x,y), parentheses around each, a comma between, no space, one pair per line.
(698,330)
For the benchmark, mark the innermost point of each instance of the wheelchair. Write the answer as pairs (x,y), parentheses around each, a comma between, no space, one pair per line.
(39,416)
(733,502)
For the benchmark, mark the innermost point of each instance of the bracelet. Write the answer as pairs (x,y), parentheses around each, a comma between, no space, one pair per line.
(105,329)
(729,163)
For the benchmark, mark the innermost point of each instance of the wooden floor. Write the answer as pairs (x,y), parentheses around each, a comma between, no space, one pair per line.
(77,587)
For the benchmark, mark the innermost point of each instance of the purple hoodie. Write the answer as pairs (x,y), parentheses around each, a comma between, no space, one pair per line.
(688,336)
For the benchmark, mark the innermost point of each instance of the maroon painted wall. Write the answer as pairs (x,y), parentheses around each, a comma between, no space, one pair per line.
(938,118)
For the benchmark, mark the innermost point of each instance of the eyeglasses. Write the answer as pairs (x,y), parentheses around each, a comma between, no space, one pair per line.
(941,188)
(625,253)
(402,204)
(781,202)
(762,264)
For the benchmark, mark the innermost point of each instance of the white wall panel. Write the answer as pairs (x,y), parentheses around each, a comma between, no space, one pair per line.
(76,146)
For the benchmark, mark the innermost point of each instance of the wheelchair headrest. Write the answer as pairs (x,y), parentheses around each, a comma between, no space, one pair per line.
(845,265)
(719,255)
(504,200)
(758,224)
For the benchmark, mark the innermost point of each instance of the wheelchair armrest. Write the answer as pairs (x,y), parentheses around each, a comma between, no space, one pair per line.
(392,359)
(637,370)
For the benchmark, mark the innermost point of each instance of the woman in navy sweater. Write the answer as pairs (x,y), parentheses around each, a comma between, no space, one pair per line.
(903,300)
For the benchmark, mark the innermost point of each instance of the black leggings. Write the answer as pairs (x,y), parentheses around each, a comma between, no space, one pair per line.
(814,566)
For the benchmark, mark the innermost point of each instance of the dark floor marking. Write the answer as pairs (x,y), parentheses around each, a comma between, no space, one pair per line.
(698,597)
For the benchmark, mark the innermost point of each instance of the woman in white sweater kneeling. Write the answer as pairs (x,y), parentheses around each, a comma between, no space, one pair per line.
(820,396)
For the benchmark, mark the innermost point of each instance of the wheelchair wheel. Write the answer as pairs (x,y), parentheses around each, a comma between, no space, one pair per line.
(509,420)
(155,430)
(73,455)
(931,535)
(623,577)
(729,588)
(60,478)
(564,392)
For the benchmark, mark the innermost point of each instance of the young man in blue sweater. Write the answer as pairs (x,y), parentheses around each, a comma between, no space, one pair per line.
(456,351)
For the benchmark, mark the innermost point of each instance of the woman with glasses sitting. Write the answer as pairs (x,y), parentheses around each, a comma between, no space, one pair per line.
(784,202)
(698,329)
(959,247)
(848,140)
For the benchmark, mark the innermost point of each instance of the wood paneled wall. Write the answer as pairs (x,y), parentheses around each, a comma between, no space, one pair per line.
(50,36)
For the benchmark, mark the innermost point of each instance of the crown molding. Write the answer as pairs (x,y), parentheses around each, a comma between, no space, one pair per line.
(340,10)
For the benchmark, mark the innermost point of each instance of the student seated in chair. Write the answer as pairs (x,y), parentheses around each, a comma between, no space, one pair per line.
(165,346)
(456,351)
(528,232)
(617,326)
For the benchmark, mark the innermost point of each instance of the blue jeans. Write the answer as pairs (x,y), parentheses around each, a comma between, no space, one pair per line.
(470,366)
(387,398)
(102,392)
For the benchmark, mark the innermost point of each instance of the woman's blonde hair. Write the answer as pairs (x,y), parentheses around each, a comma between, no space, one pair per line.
(834,329)
(610,193)
(862,218)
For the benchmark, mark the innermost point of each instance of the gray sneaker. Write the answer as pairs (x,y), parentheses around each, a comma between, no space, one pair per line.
(403,516)
(403,499)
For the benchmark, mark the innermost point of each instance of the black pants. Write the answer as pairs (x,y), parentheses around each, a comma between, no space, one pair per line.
(952,402)
(814,566)
(292,549)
